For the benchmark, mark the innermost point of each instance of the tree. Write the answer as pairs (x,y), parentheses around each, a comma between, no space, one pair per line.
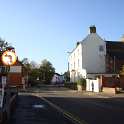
(3,45)
(44,72)
(25,61)
(34,65)
(67,76)
(34,74)
(32,69)
(26,64)
(47,71)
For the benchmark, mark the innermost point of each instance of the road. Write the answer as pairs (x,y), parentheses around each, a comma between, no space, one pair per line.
(33,110)
(91,109)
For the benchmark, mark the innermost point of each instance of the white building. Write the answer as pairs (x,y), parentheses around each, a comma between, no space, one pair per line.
(57,79)
(88,56)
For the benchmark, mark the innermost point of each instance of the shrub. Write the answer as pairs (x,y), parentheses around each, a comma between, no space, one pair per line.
(82,82)
(72,86)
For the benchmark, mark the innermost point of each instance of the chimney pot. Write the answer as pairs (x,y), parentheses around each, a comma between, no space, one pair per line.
(92,29)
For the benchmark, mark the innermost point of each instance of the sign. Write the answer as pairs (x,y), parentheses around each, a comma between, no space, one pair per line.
(9,58)
(15,69)
(4,69)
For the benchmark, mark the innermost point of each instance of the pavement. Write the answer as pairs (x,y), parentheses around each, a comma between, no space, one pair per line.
(70,105)
(52,90)
(34,110)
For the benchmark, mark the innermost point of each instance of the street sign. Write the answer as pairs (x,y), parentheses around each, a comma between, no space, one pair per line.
(4,69)
(9,58)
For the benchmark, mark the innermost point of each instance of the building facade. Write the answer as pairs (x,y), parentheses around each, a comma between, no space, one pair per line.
(57,79)
(88,56)
(16,76)
(114,56)
(93,55)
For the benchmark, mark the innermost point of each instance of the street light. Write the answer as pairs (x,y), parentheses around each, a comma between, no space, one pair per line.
(68,60)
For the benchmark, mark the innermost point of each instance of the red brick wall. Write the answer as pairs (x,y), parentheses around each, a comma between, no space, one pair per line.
(15,79)
(109,81)
(122,82)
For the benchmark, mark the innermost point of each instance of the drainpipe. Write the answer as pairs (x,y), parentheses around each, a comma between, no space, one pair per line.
(114,64)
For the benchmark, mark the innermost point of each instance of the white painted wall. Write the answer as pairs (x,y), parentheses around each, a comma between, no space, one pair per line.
(87,58)
(75,64)
(94,83)
(57,79)
(93,60)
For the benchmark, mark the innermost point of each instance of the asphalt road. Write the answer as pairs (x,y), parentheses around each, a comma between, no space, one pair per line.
(33,110)
(92,109)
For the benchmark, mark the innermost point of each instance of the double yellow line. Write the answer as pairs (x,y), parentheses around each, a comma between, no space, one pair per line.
(68,115)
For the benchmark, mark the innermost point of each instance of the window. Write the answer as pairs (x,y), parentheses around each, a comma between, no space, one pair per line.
(78,63)
(78,51)
(74,65)
(101,48)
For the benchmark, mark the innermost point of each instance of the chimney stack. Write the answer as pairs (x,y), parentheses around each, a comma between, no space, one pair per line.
(92,29)
(78,43)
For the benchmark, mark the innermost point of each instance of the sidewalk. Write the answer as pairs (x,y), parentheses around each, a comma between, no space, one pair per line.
(66,92)
(33,110)
(102,94)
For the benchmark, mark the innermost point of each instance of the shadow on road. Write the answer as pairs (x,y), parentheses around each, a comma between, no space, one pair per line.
(93,110)
(33,110)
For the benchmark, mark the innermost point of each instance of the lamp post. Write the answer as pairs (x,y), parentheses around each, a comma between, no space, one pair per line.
(68,60)
(114,65)
(69,67)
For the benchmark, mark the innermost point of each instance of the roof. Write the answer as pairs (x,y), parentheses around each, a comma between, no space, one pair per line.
(79,42)
(94,75)
(115,48)
(58,74)
(85,39)
(115,44)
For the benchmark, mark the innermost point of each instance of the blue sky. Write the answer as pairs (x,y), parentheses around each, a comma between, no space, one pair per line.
(48,29)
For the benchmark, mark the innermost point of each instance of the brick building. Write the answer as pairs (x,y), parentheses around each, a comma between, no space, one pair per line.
(114,56)
(17,75)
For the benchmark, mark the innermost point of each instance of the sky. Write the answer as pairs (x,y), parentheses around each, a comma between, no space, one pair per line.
(49,29)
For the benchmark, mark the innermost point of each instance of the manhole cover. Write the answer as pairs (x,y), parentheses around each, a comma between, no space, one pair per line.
(38,106)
